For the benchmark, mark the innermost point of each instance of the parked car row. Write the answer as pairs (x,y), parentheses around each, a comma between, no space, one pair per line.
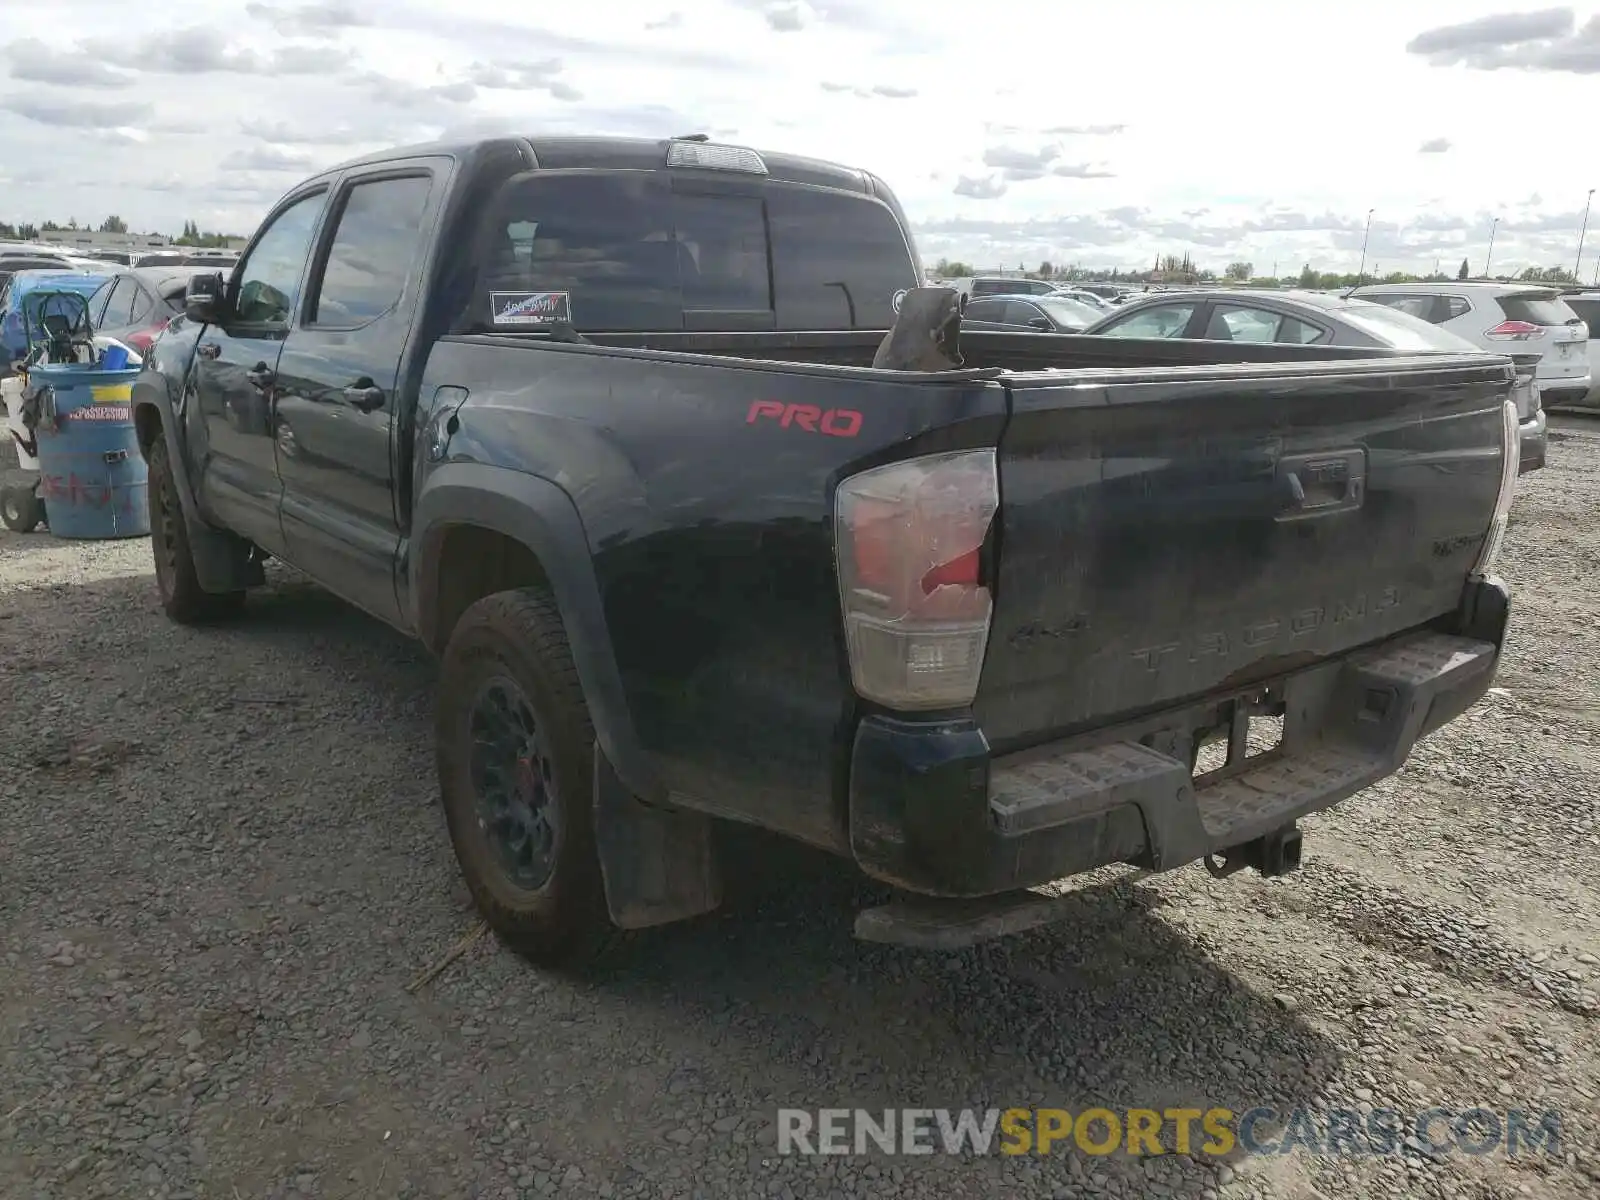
(132,294)
(1539,330)
(1507,318)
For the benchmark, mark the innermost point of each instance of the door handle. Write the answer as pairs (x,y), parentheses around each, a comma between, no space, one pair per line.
(1319,485)
(261,375)
(364,398)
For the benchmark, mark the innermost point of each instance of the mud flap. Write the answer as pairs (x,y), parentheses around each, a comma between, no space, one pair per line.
(659,864)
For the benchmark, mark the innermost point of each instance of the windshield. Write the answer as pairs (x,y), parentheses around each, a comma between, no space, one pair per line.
(1065,311)
(1401,330)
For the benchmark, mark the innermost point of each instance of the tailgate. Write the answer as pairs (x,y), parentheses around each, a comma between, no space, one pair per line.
(1165,533)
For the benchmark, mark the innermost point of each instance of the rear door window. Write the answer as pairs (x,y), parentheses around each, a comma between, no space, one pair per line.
(373,251)
(119,306)
(1537,308)
(1240,323)
(1303,332)
(142,303)
(97,303)
(1020,312)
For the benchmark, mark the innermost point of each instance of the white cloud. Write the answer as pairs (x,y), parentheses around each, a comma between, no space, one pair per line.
(1139,148)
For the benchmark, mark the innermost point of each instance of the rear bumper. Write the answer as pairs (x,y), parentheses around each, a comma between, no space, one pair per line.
(1588,399)
(932,812)
(1565,389)
(1535,441)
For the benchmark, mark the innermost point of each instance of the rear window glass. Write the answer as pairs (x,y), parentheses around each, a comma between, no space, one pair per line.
(1402,331)
(1069,312)
(624,252)
(837,259)
(1537,309)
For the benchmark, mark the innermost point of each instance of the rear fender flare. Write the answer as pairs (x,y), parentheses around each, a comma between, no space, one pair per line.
(541,516)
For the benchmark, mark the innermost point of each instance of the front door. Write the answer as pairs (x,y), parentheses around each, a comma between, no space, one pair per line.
(336,389)
(234,377)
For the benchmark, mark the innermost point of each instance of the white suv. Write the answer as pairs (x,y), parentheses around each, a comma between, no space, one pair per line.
(1505,318)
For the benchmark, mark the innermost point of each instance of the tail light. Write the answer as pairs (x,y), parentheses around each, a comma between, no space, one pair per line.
(909,539)
(1516,331)
(141,340)
(1510,466)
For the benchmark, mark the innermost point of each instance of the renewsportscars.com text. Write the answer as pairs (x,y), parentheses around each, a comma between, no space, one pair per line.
(1209,1132)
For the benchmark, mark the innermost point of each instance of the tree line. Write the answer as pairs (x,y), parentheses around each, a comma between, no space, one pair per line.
(192,234)
(1173,268)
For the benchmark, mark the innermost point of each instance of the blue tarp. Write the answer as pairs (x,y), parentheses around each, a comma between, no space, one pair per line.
(13,337)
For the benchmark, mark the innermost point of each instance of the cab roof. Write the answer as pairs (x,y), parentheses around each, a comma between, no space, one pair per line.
(620,154)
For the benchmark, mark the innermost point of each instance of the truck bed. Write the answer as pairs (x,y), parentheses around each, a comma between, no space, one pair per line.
(1143,555)
(982,350)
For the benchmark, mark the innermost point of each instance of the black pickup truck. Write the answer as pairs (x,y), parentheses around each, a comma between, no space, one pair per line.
(596,420)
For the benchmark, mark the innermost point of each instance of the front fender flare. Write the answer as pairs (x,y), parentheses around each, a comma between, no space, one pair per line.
(222,561)
(541,516)
(150,391)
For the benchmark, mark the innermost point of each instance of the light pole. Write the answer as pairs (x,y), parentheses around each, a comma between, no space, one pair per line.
(1362,272)
(1487,258)
(1582,229)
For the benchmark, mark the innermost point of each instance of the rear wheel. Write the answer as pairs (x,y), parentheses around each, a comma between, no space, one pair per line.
(21,509)
(182,597)
(515,756)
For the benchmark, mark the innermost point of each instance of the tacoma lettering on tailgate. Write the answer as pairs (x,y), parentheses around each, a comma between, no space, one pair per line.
(1221,643)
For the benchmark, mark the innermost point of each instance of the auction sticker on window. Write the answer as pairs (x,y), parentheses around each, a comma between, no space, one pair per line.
(530,308)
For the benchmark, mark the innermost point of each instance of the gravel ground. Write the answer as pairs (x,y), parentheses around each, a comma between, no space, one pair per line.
(222,868)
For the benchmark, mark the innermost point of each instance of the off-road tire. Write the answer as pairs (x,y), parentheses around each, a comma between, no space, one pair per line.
(182,597)
(21,509)
(519,635)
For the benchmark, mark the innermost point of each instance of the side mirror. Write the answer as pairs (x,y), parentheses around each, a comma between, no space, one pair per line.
(1040,323)
(204,299)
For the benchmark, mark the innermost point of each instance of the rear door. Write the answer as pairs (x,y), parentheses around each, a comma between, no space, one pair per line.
(1166,533)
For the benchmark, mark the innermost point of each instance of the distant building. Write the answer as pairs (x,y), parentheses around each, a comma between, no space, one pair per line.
(93,239)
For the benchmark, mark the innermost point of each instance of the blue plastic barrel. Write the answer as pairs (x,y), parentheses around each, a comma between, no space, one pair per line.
(91,475)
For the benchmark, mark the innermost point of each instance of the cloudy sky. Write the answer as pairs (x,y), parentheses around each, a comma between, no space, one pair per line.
(1101,132)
